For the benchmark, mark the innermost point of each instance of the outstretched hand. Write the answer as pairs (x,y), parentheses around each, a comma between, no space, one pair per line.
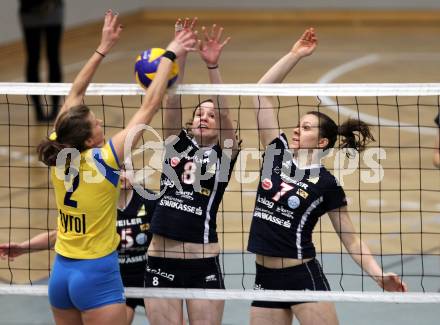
(306,44)
(111,32)
(391,282)
(11,250)
(185,37)
(187,23)
(211,46)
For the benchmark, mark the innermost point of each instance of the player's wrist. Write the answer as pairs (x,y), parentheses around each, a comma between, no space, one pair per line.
(174,47)
(378,279)
(295,55)
(170,55)
(103,51)
(100,53)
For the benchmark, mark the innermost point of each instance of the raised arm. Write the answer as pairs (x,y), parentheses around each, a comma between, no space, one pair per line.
(210,50)
(43,241)
(268,126)
(182,43)
(361,254)
(172,113)
(111,32)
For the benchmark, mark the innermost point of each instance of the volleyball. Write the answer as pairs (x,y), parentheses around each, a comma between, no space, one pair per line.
(146,65)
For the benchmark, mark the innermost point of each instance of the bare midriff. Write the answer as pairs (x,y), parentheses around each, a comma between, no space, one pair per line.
(165,247)
(279,262)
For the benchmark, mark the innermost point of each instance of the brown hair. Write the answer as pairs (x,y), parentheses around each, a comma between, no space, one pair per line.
(72,129)
(356,133)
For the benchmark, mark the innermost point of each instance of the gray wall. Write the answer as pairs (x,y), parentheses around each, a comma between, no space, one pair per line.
(77,12)
(82,11)
(296,4)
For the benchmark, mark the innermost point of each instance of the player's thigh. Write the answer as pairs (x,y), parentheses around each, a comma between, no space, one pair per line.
(66,316)
(129,314)
(164,311)
(205,311)
(319,313)
(113,314)
(263,316)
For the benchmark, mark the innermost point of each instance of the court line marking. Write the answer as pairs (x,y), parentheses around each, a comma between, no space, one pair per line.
(18,155)
(407,205)
(340,109)
(376,202)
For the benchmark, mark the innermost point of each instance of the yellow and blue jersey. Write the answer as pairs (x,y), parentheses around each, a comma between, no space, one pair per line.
(86,191)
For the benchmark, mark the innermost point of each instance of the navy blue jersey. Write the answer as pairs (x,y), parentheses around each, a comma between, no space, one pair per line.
(437,121)
(133,225)
(193,182)
(289,203)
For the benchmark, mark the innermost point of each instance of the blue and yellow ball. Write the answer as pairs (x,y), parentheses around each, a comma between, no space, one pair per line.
(146,65)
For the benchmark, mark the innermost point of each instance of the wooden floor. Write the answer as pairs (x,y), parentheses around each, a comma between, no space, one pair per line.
(398,215)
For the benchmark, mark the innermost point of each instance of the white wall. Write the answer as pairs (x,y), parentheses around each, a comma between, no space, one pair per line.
(82,11)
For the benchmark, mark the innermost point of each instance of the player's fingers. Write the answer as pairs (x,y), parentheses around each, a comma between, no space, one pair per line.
(107,17)
(213,31)
(205,34)
(193,23)
(219,34)
(226,41)
(186,23)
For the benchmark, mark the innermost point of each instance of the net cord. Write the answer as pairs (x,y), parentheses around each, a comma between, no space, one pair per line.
(237,294)
(307,90)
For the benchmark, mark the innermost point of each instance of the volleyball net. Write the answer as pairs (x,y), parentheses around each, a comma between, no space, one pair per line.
(392,187)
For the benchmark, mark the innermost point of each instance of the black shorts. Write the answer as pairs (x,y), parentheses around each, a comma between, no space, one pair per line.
(133,277)
(201,273)
(134,302)
(307,276)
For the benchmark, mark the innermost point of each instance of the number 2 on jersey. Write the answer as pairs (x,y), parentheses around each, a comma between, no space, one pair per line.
(67,173)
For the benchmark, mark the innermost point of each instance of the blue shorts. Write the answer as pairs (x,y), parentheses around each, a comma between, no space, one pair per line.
(85,284)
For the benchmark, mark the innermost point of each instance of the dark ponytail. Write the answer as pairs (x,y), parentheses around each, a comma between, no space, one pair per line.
(72,129)
(48,151)
(356,134)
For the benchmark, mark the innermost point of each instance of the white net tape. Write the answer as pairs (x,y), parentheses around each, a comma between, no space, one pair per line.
(315,90)
(235,294)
